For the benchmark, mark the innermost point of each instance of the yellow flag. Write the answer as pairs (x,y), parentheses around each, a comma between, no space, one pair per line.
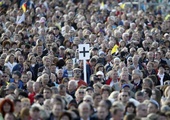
(167,17)
(102,5)
(114,49)
(122,6)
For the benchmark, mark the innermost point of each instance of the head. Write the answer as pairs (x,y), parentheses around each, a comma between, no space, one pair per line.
(84,110)
(47,93)
(141,110)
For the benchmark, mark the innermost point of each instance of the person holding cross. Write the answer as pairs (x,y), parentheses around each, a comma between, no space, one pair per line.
(77,77)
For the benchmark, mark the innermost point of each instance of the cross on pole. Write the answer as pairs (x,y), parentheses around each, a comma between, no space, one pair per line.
(84,52)
(84,55)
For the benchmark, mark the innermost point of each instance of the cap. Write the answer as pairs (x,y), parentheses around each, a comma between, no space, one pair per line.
(100,73)
(17,73)
(89,88)
(95,48)
(76,69)
(10,86)
(155,103)
(62,47)
(101,53)
(125,85)
(38,96)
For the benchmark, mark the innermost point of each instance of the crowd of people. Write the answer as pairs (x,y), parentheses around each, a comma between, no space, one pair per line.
(42,78)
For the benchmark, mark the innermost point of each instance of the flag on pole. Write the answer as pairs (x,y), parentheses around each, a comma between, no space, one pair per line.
(114,49)
(20,19)
(24,7)
(101,5)
(122,5)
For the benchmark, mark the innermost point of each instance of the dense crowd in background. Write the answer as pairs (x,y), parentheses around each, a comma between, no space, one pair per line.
(42,78)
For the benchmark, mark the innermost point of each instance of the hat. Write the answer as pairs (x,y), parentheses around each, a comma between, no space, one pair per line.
(62,47)
(89,88)
(155,103)
(95,48)
(125,85)
(17,73)
(100,73)
(38,96)
(101,53)
(10,86)
(76,69)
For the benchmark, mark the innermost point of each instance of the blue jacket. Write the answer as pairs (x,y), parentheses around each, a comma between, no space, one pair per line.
(20,83)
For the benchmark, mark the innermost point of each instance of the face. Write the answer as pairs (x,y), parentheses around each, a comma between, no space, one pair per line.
(6,107)
(25,104)
(130,109)
(45,79)
(47,94)
(71,86)
(81,94)
(17,107)
(77,73)
(124,96)
(24,78)
(60,74)
(105,94)
(151,108)
(141,112)
(35,115)
(57,109)
(84,111)
(140,98)
(102,113)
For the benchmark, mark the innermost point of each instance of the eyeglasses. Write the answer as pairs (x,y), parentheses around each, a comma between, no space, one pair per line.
(124,95)
(87,100)
(4,76)
(77,71)
(81,92)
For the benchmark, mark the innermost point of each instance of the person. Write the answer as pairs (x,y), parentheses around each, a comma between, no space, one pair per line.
(57,109)
(72,86)
(153,107)
(84,111)
(6,106)
(141,110)
(117,113)
(130,108)
(35,113)
(77,77)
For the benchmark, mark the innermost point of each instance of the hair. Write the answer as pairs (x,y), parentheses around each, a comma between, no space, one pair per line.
(167,89)
(47,88)
(139,93)
(106,88)
(65,113)
(114,110)
(129,104)
(154,79)
(24,112)
(149,80)
(158,95)
(16,101)
(25,100)
(2,104)
(129,117)
(8,57)
(148,91)
(95,95)
(98,65)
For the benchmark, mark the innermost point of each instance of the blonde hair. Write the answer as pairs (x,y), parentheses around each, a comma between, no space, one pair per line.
(8,57)
(25,100)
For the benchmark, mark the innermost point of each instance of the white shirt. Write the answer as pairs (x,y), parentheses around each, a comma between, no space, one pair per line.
(10,65)
(161,76)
